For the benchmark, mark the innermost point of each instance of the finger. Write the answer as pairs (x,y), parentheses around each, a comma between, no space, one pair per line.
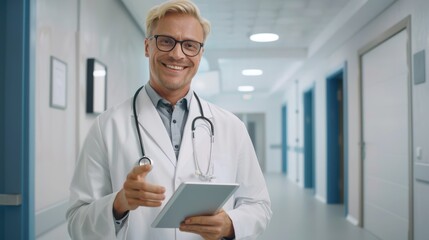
(140,171)
(146,203)
(144,196)
(202,230)
(143,186)
(200,220)
(140,198)
(219,211)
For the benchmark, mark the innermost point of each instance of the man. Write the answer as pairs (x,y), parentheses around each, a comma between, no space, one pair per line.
(112,197)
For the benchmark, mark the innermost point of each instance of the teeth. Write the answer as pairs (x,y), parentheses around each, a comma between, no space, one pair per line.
(175,67)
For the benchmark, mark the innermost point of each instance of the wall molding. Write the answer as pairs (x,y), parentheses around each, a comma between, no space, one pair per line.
(51,217)
(352,220)
(320,198)
(296,149)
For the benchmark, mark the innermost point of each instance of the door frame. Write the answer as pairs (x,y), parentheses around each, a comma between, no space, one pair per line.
(17,77)
(404,24)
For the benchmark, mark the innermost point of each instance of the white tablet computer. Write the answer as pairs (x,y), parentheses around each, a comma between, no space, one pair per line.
(193,199)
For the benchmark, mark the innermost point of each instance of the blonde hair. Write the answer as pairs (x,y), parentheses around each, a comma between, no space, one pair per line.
(175,6)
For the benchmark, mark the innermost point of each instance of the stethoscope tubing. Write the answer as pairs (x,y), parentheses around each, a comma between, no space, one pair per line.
(144,160)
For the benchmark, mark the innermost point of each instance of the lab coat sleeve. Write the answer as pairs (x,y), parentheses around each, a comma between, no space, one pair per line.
(90,215)
(252,211)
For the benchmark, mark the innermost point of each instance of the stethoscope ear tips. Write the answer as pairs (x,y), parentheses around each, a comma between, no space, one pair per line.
(145,161)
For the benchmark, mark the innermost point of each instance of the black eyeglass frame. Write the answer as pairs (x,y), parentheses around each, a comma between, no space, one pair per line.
(175,43)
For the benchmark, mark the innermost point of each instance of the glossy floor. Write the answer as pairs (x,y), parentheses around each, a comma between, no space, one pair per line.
(298,215)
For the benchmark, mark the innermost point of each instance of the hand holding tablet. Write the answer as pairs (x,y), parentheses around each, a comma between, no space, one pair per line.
(194,199)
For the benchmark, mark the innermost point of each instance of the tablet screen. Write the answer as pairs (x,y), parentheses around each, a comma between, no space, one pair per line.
(194,199)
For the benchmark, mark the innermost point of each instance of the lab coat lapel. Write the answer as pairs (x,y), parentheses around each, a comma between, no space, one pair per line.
(152,125)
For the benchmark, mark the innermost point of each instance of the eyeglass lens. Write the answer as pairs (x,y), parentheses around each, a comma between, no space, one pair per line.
(166,44)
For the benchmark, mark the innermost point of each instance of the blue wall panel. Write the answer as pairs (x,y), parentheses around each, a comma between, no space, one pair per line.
(17,125)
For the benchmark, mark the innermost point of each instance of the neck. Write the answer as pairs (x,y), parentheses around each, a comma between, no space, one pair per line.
(171,96)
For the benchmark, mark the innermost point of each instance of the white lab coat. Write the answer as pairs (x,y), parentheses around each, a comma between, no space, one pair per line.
(111,150)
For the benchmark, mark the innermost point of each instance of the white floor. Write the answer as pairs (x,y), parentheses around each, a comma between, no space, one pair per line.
(298,215)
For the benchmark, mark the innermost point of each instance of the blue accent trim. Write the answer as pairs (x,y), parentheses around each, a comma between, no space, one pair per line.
(2,110)
(284,139)
(308,119)
(29,176)
(346,140)
(332,129)
(2,116)
(17,125)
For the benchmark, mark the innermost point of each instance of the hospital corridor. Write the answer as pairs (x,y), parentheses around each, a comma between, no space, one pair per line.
(298,215)
(316,110)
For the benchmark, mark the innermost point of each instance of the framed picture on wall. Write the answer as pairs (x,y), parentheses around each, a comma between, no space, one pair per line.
(96,86)
(58,91)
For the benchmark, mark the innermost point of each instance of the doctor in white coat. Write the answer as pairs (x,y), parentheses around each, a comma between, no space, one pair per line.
(114,198)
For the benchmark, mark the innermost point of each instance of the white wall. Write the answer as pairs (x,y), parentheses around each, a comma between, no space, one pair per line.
(72,31)
(323,63)
(420,92)
(110,35)
(55,129)
(295,133)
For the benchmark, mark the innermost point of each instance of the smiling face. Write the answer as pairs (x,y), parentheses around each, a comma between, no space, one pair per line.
(171,72)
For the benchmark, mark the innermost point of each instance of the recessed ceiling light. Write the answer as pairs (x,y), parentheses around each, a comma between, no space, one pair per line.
(247,97)
(252,72)
(264,37)
(246,88)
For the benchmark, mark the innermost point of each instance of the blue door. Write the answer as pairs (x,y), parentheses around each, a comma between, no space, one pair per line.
(309,165)
(335,138)
(284,139)
(16,119)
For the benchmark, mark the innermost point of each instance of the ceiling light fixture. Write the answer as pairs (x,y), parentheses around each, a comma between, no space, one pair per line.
(252,72)
(246,88)
(264,37)
(247,97)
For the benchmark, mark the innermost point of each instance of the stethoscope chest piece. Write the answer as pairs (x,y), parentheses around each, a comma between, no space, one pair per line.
(145,161)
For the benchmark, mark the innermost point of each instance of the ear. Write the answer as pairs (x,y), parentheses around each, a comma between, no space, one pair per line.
(146,47)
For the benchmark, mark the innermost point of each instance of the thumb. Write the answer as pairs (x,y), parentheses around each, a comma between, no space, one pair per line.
(141,171)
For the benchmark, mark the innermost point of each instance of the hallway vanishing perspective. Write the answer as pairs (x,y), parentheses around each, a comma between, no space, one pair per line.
(298,215)
(334,106)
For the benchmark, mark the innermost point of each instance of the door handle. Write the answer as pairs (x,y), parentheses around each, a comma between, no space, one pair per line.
(10,199)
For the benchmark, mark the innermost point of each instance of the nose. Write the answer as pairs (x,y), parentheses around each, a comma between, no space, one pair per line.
(177,52)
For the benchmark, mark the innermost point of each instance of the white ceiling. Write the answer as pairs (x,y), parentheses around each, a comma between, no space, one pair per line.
(228,49)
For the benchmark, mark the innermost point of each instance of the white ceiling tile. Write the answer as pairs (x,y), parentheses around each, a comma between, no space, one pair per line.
(297,22)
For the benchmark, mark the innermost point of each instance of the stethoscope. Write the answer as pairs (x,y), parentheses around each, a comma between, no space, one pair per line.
(145,160)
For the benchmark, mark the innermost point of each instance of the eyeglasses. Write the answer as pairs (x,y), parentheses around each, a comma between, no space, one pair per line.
(165,44)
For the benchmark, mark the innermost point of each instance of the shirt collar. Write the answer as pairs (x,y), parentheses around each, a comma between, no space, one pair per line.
(156,98)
